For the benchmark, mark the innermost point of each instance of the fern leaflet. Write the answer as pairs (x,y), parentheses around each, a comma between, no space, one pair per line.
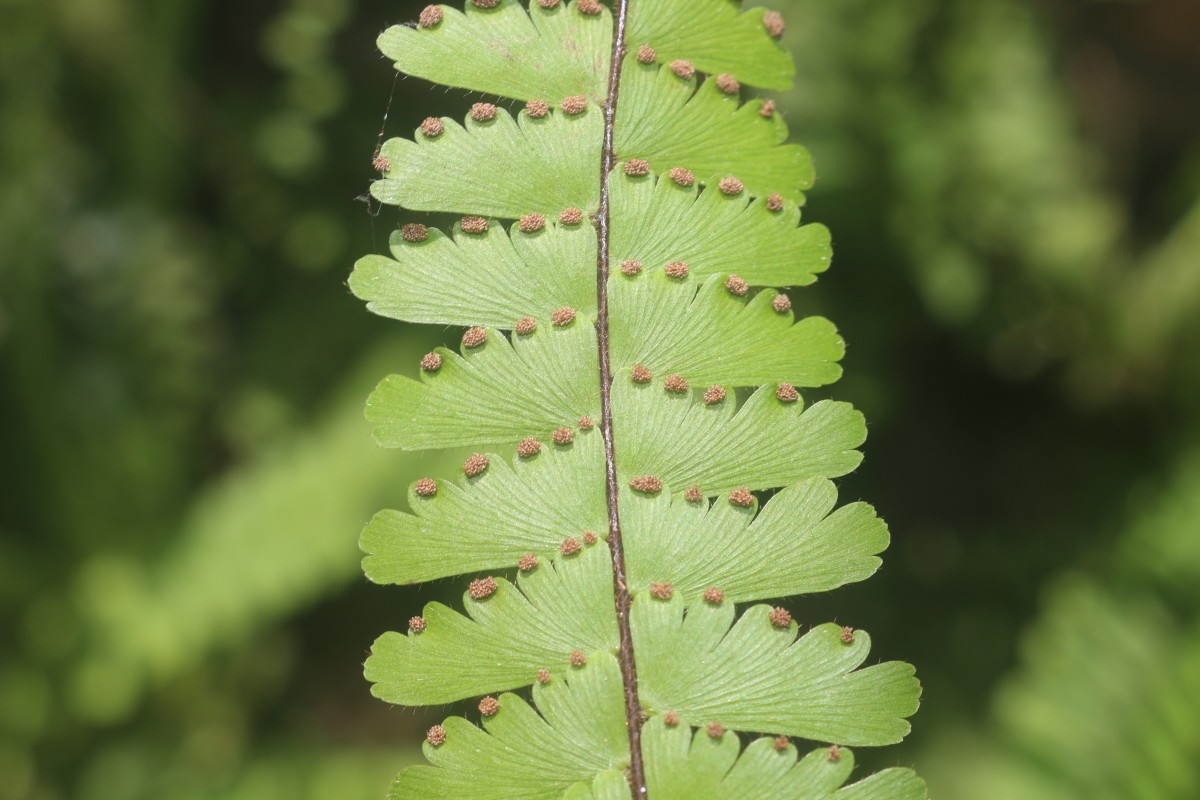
(620,336)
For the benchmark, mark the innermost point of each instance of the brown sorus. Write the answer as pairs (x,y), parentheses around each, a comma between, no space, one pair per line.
(847,635)
(475,465)
(682,176)
(737,285)
(537,108)
(715,730)
(683,68)
(563,316)
(482,587)
(693,494)
(381,163)
(728,84)
(646,54)
(585,423)
(543,676)
(780,617)
(714,395)
(430,17)
(425,487)
(570,216)
(578,659)
(548,3)
(782,303)
(570,546)
(575,104)
(775,202)
(416,624)
(432,127)
(473,225)
(662,590)
(675,384)
(647,484)
(485,3)
(589,7)
(676,269)
(531,222)
(787,393)
(563,436)
(637,167)
(670,718)
(414,232)
(488,706)
(730,186)
(640,373)
(782,742)
(714,596)
(741,497)
(525,326)
(590,538)
(631,266)
(529,447)
(436,735)
(473,337)
(773,22)
(835,753)
(482,112)
(431,362)
(768,109)
(527,562)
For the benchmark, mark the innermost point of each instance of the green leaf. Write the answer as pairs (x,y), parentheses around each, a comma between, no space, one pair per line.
(544,165)
(492,279)
(548,164)
(669,122)
(659,222)
(793,546)
(497,277)
(681,766)
(758,677)
(714,35)
(560,607)
(545,54)
(490,521)
(495,392)
(577,732)
(715,336)
(765,444)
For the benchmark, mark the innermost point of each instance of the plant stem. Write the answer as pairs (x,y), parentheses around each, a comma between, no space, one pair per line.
(633,707)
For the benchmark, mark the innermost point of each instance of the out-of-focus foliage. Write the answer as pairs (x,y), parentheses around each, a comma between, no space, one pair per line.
(1014,189)
(1106,702)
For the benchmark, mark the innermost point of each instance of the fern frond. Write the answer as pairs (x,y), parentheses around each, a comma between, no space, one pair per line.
(650,386)
(494,278)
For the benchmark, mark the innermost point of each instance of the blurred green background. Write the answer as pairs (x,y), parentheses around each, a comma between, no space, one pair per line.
(1014,191)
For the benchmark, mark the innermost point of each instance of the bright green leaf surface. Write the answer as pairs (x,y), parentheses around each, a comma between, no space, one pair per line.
(545,54)
(683,766)
(496,392)
(794,546)
(669,122)
(507,637)
(498,168)
(714,35)
(490,521)
(490,279)
(714,336)
(659,222)
(577,731)
(754,676)
(764,444)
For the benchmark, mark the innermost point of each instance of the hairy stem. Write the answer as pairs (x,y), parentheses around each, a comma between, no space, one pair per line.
(633,707)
